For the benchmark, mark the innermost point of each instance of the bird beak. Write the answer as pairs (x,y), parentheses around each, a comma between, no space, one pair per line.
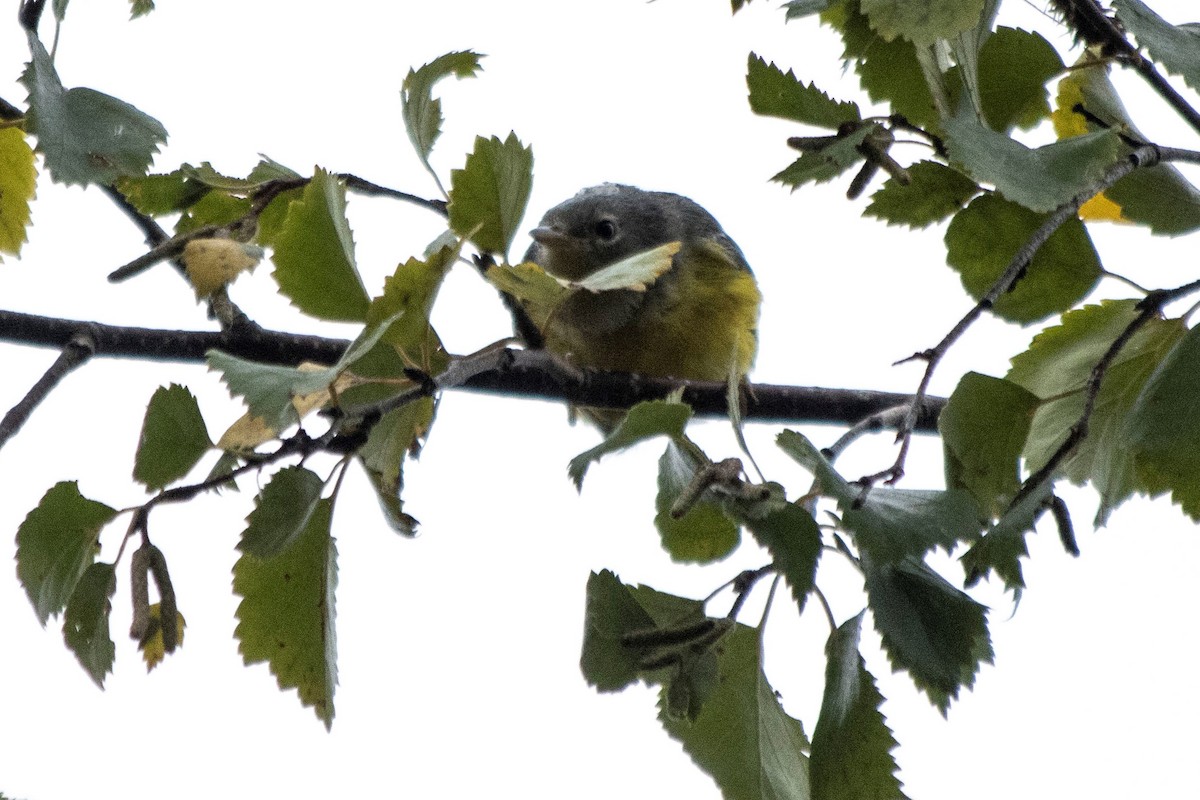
(549,237)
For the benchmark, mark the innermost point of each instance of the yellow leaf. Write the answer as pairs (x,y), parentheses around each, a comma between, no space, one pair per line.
(18,179)
(1068,122)
(151,645)
(213,263)
(244,435)
(1101,209)
(637,272)
(249,431)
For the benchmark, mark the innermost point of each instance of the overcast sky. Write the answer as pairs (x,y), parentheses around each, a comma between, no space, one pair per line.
(459,649)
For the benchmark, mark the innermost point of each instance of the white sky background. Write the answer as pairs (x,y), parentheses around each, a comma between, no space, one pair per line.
(458,650)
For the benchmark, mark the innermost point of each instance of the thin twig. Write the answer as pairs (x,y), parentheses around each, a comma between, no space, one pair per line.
(164,250)
(1146,156)
(825,605)
(78,350)
(1148,309)
(880,421)
(1090,22)
(365,187)
(743,584)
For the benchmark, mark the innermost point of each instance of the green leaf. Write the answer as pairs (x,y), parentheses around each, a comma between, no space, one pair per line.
(1014,66)
(140,8)
(267,388)
(1176,47)
(983,428)
(1057,366)
(314,254)
(890,524)
(1158,197)
(922,22)
(1164,426)
(422,111)
(18,182)
(85,136)
(797,9)
(391,440)
(741,736)
(1040,179)
(286,616)
(775,93)
(612,611)
(644,421)
(268,169)
(408,297)
(637,632)
(790,535)
(852,744)
(1002,547)
(225,465)
(213,208)
(56,543)
(173,438)
(281,512)
(982,240)
(273,217)
(888,70)
(826,163)
(488,195)
(932,630)
(163,193)
(704,534)
(934,192)
(85,622)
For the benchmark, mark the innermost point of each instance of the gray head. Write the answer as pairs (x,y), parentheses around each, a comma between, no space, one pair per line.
(604,224)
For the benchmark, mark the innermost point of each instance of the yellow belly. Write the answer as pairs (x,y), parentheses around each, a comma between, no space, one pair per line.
(696,322)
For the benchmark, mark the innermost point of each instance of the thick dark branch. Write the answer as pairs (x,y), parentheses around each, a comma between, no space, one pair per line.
(526,373)
(275,347)
(76,352)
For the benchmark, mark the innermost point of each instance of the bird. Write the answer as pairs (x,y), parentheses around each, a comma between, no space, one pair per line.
(697,321)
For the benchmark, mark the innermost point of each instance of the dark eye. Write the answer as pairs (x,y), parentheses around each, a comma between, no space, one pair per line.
(606,229)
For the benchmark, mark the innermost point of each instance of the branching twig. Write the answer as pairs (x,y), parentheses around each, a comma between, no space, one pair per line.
(1148,309)
(883,420)
(76,352)
(1142,157)
(743,584)
(1090,22)
(164,246)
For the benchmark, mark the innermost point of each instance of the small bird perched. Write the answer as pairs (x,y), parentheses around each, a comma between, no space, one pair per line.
(696,321)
